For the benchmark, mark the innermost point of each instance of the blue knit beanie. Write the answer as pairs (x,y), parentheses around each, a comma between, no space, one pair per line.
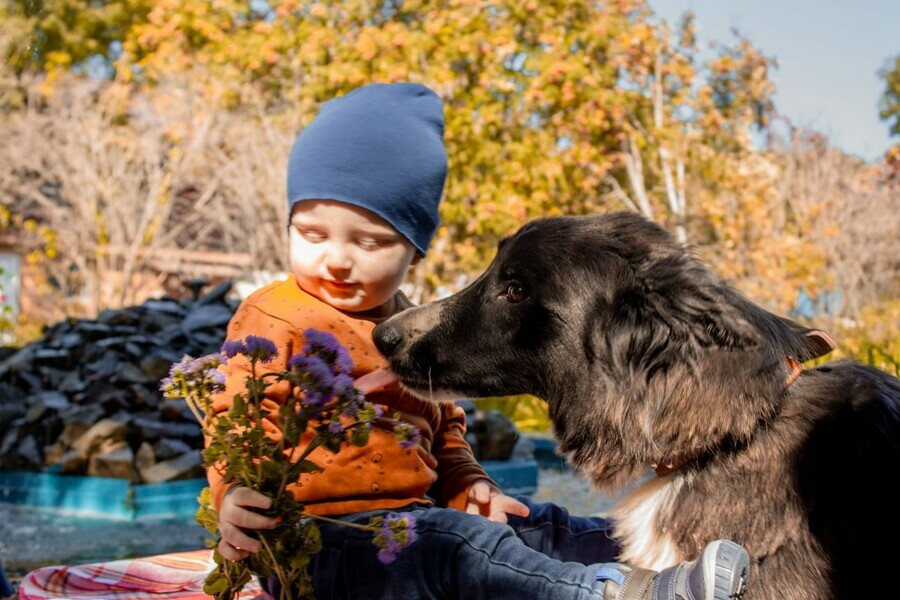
(379,147)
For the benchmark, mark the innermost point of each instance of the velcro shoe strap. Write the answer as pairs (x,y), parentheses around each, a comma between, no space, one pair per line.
(638,585)
(666,585)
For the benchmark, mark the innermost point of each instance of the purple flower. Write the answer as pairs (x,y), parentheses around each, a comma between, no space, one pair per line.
(181,367)
(253,347)
(216,377)
(321,374)
(189,366)
(342,385)
(408,435)
(342,361)
(166,385)
(326,345)
(260,348)
(213,360)
(316,398)
(388,552)
(395,532)
(318,340)
(232,348)
(176,372)
(191,376)
(336,427)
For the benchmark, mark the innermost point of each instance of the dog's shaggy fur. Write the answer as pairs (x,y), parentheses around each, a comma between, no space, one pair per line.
(645,357)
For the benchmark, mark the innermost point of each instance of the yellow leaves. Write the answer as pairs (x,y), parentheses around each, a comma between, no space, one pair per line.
(269,52)
(547,38)
(263,27)
(434,26)
(365,45)
(358,79)
(398,72)
(546,104)
(567,93)
(58,60)
(557,71)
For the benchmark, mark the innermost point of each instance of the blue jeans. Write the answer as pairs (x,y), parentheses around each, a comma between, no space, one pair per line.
(548,555)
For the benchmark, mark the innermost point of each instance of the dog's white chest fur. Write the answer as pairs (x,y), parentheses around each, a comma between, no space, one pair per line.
(644,542)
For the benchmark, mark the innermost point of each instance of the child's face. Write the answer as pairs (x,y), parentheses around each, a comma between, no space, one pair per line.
(347,256)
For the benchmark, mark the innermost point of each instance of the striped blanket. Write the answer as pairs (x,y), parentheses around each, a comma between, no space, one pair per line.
(176,576)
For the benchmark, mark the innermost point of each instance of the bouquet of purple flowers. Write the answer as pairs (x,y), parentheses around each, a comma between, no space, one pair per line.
(323,401)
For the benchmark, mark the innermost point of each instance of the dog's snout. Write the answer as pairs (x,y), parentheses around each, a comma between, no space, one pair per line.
(387,338)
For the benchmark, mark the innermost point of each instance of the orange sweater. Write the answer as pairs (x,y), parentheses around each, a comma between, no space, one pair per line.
(381,474)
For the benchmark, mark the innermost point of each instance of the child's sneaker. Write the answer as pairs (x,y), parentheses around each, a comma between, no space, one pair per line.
(719,574)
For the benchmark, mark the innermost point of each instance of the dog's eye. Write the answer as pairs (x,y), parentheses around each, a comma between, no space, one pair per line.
(515,292)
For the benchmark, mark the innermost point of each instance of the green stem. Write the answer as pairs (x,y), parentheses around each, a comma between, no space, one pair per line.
(285,584)
(258,421)
(338,521)
(284,471)
(192,404)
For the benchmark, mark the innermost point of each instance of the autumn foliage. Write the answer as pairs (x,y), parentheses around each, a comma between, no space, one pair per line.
(140,124)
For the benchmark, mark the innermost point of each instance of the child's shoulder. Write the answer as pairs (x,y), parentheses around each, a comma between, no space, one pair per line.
(279,298)
(277,288)
(278,311)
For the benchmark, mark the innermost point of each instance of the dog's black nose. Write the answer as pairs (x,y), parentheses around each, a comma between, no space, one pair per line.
(387,338)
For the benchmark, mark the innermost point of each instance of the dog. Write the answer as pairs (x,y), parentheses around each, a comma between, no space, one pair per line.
(646,358)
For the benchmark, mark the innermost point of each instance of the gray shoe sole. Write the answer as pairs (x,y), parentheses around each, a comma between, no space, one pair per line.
(726,567)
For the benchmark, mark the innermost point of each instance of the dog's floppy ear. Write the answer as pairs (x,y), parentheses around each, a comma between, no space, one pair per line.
(682,294)
(727,328)
(810,343)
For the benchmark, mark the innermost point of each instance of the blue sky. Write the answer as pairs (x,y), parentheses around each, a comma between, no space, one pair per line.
(828,53)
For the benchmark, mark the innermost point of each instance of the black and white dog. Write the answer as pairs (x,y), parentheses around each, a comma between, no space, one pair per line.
(646,358)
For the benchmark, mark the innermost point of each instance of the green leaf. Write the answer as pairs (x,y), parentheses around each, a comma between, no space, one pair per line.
(271,470)
(299,559)
(208,519)
(260,565)
(360,436)
(216,583)
(301,467)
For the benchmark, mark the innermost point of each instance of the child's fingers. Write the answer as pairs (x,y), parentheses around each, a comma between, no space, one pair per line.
(237,509)
(247,519)
(481,492)
(504,505)
(499,516)
(244,496)
(519,509)
(232,552)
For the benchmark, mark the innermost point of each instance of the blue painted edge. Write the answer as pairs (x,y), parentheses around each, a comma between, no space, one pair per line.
(100,497)
(118,499)
(105,497)
(515,477)
(545,453)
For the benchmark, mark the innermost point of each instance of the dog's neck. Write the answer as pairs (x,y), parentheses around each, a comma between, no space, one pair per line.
(795,368)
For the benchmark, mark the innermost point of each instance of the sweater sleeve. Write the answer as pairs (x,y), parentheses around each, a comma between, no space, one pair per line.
(457,468)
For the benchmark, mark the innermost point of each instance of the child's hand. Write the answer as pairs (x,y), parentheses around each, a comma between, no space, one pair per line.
(235,517)
(488,501)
